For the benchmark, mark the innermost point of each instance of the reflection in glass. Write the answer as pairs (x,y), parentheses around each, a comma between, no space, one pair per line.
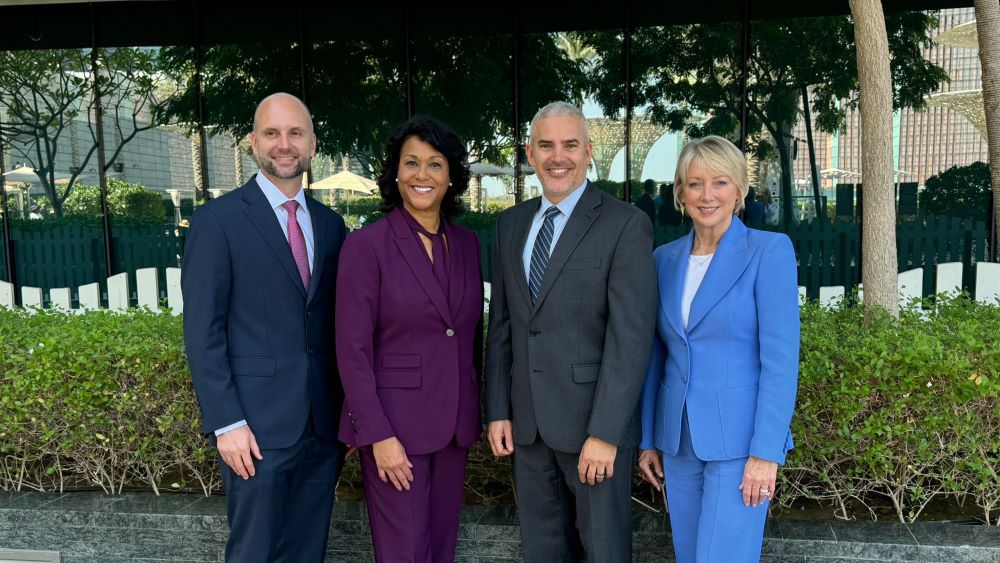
(46,102)
(357,96)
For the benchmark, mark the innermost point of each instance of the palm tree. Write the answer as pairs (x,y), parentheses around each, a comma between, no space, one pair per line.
(878,235)
(988,29)
(584,55)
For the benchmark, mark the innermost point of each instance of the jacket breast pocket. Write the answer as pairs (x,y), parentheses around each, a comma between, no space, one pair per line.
(584,263)
(251,366)
(586,373)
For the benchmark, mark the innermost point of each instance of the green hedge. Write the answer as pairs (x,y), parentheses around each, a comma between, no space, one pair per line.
(900,411)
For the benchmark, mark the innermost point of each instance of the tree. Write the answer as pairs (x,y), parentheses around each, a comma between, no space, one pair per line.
(688,77)
(584,55)
(988,29)
(960,191)
(358,88)
(878,234)
(124,200)
(44,92)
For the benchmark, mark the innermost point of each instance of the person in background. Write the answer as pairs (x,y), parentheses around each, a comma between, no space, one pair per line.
(645,201)
(754,210)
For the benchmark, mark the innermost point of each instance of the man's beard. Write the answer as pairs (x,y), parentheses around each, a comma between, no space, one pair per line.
(301,165)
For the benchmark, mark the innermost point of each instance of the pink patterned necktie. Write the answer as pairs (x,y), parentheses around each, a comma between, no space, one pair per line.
(298,242)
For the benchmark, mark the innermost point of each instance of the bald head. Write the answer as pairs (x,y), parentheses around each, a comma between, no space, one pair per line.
(283,140)
(282,101)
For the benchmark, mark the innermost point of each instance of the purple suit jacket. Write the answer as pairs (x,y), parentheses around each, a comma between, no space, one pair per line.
(409,361)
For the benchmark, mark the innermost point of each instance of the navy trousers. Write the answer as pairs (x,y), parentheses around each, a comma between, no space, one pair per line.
(282,514)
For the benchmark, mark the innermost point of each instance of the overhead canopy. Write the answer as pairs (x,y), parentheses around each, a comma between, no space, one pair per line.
(61,24)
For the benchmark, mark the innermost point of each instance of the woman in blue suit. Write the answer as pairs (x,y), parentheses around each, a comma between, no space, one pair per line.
(722,377)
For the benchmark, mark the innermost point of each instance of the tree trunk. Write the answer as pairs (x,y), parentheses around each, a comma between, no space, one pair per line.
(196,148)
(878,237)
(237,164)
(988,28)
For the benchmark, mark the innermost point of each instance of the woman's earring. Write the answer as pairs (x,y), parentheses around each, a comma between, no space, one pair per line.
(449,184)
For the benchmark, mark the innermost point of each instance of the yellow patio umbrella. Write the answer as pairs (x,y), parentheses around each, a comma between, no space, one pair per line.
(346,181)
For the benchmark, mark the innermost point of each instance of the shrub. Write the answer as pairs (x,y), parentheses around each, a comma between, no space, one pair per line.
(98,399)
(960,191)
(905,410)
(901,410)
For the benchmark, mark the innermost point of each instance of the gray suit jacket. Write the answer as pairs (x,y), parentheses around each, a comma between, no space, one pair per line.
(572,365)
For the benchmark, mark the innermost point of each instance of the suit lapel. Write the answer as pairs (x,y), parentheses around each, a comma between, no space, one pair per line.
(730,261)
(672,272)
(519,232)
(262,217)
(319,243)
(416,258)
(584,215)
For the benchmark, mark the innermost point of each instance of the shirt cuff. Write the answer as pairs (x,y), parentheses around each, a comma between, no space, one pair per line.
(233,426)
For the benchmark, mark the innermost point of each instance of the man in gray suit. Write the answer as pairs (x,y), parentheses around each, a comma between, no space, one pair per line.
(571,323)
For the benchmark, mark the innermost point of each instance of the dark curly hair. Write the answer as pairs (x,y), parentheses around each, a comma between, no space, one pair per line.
(443,139)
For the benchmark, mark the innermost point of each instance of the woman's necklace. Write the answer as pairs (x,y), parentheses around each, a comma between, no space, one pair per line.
(701,260)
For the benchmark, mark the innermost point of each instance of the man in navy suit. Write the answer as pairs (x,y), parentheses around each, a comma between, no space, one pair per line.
(259,272)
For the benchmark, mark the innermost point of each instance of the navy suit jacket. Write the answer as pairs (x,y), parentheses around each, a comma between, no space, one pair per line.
(259,344)
(735,367)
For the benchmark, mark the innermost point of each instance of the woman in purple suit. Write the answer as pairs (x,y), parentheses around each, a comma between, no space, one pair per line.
(409,329)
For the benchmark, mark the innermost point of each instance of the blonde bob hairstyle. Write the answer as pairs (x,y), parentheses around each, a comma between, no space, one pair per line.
(718,155)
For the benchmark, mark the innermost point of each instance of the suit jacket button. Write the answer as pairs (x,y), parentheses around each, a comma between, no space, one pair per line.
(449,332)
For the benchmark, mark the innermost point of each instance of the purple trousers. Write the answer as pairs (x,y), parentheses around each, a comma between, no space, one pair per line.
(419,525)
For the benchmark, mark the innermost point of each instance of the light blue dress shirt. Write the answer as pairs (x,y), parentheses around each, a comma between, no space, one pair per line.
(277,200)
(566,207)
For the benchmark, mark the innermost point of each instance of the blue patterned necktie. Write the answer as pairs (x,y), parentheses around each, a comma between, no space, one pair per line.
(540,252)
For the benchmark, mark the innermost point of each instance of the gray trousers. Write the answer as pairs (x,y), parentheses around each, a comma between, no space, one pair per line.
(565,521)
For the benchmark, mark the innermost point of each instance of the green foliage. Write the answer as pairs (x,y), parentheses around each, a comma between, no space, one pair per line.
(43,92)
(609,187)
(98,399)
(124,199)
(371,87)
(960,191)
(901,410)
(688,76)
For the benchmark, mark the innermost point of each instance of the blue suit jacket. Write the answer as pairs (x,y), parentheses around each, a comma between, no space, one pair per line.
(736,365)
(259,344)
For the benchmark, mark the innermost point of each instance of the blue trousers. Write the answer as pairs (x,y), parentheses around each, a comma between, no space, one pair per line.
(709,521)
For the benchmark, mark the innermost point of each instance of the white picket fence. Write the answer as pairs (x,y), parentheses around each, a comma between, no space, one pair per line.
(89,296)
(911,285)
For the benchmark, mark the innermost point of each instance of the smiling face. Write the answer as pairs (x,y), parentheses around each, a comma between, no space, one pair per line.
(560,153)
(283,139)
(422,178)
(709,197)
